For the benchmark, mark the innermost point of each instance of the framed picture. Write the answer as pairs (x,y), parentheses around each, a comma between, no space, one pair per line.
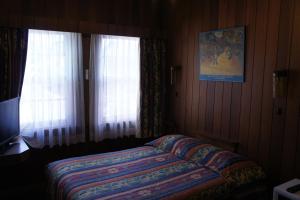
(222,55)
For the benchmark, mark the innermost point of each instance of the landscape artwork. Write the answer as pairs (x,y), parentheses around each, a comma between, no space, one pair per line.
(222,55)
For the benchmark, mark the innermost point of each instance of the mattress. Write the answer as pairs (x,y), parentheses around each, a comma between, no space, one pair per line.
(139,173)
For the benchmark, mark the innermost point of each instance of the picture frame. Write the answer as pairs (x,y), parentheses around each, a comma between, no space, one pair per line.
(221,55)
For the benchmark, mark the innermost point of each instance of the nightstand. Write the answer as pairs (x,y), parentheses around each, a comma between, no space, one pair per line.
(15,154)
(281,190)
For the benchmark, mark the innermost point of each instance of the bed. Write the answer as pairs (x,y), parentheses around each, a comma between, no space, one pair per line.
(170,167)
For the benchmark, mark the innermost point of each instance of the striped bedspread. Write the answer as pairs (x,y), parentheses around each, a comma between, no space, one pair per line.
(139,173)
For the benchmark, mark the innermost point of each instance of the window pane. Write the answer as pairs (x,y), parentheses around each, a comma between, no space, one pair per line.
(42,98)
(121,63)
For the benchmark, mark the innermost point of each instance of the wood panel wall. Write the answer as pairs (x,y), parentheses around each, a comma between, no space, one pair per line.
(125,17)
(267,128)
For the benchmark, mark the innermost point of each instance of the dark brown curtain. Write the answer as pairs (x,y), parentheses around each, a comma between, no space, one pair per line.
(13,51)
(153,57)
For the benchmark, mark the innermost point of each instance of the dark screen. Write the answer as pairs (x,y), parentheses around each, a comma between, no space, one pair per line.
(9,120)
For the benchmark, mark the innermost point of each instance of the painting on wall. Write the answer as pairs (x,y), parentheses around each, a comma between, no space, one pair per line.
(222,55)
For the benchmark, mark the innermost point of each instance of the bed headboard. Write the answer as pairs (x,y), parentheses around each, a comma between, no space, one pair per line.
(227,144)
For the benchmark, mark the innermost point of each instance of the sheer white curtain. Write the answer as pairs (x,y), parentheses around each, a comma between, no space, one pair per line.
(114,86)
(51,106)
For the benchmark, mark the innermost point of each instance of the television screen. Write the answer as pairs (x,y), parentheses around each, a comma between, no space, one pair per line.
(9,120)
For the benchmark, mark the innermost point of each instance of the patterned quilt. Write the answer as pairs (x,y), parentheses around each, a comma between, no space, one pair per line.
(139,173)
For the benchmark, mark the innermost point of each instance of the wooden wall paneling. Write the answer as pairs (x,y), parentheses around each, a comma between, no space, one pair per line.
(71,17)
(156,21)
(88,10)
(235,111)
(172,55)
(202,105)
(285,33)
(5,13)
(88,27)
(131,31)
(291,128)
(15,10)
(69,9)
(131,12)
(218,104)
(236,94)
(53,9)
(278,124)
(172,102)
(103,11)
(140,18)
(112,29)
(14,13)
(37,9)
(267,96)
(196,66)
(184,62)
(15,21)
(226,102)
(76,15)
(258,77)
(203,84)
(110,15)
(144,13)
(296,61)
(123,30)
(172,50)
(228,21)
(166,10)
(151,13)
(122,13)
(106,12)
(26,21)
(65,24)
(27,18)
(219,88)
(49,12)
(210,93)
(100,28)
(246,111)
(297,166)
(246,87)
(28,7)
(135,15)
(191,80)
(46,23)
(178,50)
(238,18)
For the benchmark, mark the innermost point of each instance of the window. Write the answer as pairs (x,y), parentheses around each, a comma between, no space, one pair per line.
(122,76)
(45,64)
(52,95)
(115,68)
